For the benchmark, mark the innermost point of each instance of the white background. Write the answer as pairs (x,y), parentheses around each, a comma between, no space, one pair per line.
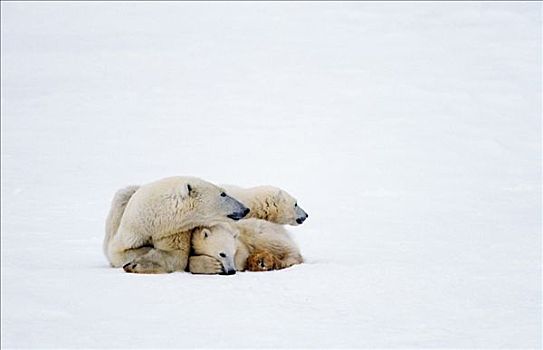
(410,133)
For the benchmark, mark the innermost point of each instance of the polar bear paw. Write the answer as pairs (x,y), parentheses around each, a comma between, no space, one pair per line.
(142,265)
(201,264)
(262,261)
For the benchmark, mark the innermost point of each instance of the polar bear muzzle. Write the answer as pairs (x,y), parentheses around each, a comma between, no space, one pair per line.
(239,215)
(239,211)
(301,215)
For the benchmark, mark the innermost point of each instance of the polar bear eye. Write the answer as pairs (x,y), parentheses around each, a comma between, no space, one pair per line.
(222,255)
(295,204)
(223,194)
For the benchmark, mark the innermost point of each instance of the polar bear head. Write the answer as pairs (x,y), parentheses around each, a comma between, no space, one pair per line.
(288,210)
(209,203)
(218,242)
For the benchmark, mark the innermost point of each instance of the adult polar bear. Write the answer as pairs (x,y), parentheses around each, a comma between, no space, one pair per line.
(148,227)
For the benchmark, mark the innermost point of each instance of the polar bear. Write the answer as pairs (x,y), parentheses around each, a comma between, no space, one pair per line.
(227,248)
(148,227)
(269,203)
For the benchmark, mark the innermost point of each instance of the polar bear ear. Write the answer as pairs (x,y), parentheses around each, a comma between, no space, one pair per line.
(185,190)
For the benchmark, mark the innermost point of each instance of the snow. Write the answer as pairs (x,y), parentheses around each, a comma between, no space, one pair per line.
(410,133)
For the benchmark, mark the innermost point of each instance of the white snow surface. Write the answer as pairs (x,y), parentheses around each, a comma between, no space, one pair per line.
(410,133)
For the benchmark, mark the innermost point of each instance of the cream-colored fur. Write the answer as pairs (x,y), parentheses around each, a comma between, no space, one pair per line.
(113,220)
(269,203)
(217,249)
(152,234)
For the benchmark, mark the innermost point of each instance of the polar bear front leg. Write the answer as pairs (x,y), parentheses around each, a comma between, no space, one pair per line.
(124,248)
(119,258)
(169,254)
(202,264)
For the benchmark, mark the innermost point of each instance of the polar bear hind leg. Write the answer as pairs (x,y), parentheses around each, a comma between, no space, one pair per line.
(116,211)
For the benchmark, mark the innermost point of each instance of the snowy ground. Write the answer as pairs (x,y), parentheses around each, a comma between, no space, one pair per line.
(410,132)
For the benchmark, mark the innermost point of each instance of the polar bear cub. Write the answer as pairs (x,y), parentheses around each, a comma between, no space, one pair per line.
(148,227)
(269,203)
(227,248)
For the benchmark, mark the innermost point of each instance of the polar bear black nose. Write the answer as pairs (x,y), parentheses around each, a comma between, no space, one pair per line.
(301,219)
(246,211)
